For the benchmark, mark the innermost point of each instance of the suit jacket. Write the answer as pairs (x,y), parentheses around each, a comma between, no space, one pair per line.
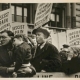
(47,59)
(23,55)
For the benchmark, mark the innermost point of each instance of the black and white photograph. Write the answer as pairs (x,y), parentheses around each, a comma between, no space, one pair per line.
(40,40)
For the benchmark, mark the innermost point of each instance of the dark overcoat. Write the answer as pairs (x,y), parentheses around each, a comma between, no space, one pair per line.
(22,55)
(6,53)
(47,59)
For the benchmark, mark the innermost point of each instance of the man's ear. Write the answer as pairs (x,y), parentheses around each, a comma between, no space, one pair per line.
(45,36)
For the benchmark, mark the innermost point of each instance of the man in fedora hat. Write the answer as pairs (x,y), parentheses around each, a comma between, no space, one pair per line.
(46,58)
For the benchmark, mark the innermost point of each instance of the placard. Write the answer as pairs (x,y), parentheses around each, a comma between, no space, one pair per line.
(42,14)
(5,20)
(73,37)
(19,28)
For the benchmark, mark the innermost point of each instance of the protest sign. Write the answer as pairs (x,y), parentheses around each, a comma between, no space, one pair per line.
(5,20)
(42,14)
(73,37)
(19,28)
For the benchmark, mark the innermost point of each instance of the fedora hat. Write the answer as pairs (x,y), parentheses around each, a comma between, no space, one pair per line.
(43,30)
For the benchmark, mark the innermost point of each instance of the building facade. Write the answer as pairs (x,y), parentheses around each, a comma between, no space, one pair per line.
(63,15)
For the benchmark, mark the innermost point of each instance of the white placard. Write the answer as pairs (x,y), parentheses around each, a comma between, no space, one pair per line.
(73,37)
(5,20)
(19,28)
(42,14)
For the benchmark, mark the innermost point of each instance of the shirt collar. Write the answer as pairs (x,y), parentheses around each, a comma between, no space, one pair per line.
(41,46)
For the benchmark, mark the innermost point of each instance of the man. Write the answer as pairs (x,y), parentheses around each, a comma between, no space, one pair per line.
(46,57)
(33,43)
(23,67)
(6,52)
(63,56)
(69,66)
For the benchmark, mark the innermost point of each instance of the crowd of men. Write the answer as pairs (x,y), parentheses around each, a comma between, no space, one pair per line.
(19,58)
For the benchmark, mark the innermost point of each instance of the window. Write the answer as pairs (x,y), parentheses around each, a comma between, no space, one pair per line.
(77,14)
(25,14)
(25,11)
(56,17)
(12,11)
(53,17)
(19,10)
(19,14)
(5,6)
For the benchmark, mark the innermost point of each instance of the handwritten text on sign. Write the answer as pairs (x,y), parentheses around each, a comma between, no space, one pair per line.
(42,14)
(5,20)
(73,37)
(19,28)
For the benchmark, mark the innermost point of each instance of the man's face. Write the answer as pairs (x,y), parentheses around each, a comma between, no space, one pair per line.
(4,38)
(34,39)
(40,37)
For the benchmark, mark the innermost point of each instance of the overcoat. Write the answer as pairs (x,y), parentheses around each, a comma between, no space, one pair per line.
(47,59)
(6,53)
(23,57)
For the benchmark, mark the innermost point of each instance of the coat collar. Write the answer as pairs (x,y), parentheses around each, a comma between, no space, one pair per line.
(42,46)
(42,50)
